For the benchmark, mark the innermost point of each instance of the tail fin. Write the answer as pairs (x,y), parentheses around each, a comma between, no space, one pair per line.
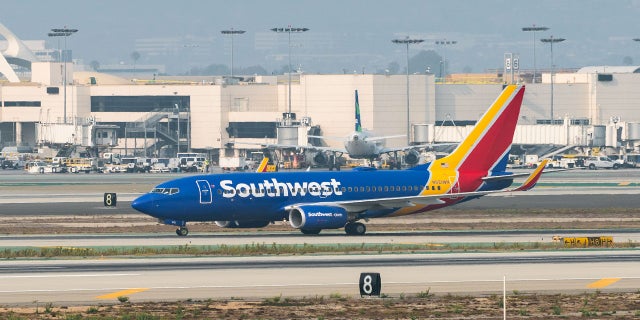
(263,165)
(487,147)
(358,123)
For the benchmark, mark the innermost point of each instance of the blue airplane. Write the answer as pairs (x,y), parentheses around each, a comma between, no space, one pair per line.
(314,200)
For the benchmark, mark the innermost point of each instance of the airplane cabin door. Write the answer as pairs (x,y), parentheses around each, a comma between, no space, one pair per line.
(205,191)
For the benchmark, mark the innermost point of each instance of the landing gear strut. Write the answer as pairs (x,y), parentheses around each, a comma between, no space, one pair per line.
(355,228)
(182,231)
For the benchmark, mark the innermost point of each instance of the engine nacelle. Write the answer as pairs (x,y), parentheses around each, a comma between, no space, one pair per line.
(242,224)
(411,157)
(318,217)
(320,158)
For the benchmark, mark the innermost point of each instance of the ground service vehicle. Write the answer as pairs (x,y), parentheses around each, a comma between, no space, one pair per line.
(600,162)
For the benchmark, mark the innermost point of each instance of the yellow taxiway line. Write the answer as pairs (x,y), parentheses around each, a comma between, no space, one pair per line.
(603,283)
(117,294)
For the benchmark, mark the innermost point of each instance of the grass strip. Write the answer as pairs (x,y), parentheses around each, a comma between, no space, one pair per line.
(262,249)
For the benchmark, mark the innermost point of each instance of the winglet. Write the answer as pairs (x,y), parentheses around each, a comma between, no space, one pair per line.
(533,178)
(358,123)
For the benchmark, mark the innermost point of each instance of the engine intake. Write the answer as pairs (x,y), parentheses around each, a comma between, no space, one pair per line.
(411,157)
(318,217)
(320,159)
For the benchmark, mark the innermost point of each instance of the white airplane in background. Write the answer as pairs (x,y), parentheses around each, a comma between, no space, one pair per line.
(359,144)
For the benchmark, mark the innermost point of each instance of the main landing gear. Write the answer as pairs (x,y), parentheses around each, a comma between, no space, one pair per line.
(182,231)
(355,228)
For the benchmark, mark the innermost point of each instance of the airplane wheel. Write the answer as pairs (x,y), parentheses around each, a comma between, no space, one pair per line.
(310,231)
(182,231)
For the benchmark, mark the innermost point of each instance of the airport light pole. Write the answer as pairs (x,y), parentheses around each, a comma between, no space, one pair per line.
(289,30)
(551,40)
(406,41)
(63,32)
(534,29)
(443,70)
(231,33)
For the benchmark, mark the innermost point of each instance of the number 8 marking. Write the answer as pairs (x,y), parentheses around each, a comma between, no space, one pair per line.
(366,286)
(108,200)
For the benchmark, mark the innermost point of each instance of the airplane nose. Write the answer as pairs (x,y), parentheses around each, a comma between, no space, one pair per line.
(143,204)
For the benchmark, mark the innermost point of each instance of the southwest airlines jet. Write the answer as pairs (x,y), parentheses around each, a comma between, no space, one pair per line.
(316,200)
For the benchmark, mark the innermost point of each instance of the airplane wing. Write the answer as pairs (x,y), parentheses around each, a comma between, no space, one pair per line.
(385,137)
(399,202)
(294,146)
(417,146)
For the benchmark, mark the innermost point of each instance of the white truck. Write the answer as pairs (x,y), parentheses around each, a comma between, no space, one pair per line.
(600,162)
(236,164)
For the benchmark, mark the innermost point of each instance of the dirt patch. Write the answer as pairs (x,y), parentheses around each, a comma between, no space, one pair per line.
(625,305)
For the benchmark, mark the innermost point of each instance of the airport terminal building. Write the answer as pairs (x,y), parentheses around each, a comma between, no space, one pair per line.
(51,106)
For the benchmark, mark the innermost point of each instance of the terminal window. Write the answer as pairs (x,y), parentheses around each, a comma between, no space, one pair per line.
(139,103)
(22,104)
(252,129)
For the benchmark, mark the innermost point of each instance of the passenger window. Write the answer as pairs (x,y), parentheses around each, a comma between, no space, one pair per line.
(344,189)
(349,189)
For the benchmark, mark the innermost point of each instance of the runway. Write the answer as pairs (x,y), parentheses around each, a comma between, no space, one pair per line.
(86,282)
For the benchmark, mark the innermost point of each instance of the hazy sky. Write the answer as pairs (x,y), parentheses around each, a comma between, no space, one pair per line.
(344,35)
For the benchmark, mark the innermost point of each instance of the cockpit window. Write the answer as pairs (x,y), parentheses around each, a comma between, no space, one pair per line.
(169,191)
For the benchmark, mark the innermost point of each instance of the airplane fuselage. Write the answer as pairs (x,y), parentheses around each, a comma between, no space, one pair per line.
(360,147)
(266,196)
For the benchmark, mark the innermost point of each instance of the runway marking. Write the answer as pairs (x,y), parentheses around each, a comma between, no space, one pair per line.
(603,283)
(117,294)
(624,184)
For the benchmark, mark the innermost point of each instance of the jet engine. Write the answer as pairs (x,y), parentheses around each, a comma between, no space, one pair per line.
(320,158)
(411,157)
(318,217)
(242,224)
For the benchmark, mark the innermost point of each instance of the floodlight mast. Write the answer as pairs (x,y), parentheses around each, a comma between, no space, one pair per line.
(232,32)
(407,42)
(63,32)
(551,40)
(289,30)
(443,69)
(534,29)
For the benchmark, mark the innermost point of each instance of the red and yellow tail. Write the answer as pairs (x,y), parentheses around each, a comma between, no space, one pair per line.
(486,149)
(490,140)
